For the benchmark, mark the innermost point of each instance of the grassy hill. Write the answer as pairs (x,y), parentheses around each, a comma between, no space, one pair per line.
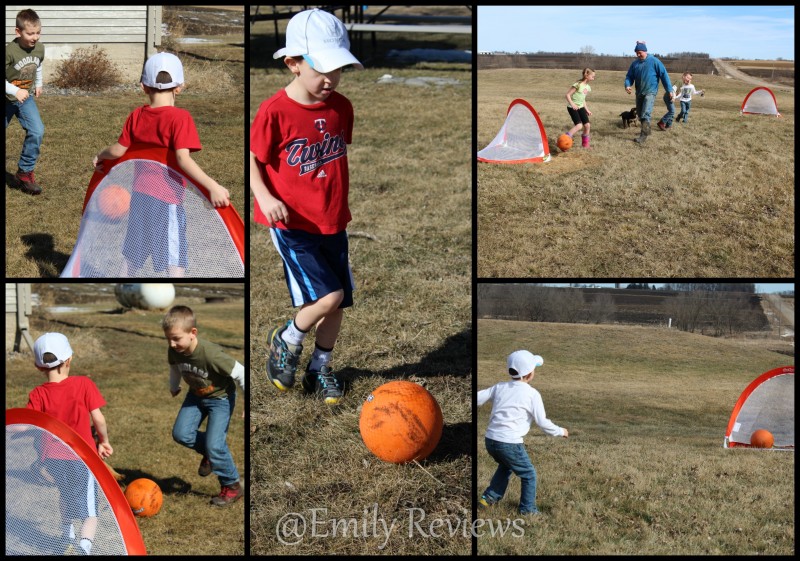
(644,470)
(710,198)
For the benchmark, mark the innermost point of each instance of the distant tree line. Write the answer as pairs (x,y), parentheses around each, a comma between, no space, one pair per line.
(747,287)
(710,308)
(699,63)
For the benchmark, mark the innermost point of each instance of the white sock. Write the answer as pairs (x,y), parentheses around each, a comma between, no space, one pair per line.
(86,545)
(69,531)
(320,358)
(292,335)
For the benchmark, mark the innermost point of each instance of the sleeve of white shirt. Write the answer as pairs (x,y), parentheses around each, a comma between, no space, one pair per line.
(11,89)
(540,417)
(38,82)
(484,396)
(238,375)
(174,378)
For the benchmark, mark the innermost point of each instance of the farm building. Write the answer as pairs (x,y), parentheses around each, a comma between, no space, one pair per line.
(129,34)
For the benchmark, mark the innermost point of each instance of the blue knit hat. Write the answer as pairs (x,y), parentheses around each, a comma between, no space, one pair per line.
(640,46)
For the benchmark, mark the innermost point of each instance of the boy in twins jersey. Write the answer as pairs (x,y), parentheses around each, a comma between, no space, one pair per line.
(299,179)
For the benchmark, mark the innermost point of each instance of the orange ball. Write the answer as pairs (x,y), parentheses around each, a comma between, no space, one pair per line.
(114,202)
(400,422)
(144,496)
(762,439)
(564,142)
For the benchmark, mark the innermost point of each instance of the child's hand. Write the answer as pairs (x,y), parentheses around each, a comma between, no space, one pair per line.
(37,92)
(588,112)
(175,392)
(104,449)
(97,163)
(220,197)
(21,95)
(566,433)
(276,212)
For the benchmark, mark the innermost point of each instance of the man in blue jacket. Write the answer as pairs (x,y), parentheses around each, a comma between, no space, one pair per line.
(645,72)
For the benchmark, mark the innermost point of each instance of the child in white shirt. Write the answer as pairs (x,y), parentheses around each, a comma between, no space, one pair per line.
(685,96)
(515,404)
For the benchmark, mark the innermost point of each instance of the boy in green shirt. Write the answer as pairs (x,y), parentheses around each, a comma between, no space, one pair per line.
(210,373)
(24,56)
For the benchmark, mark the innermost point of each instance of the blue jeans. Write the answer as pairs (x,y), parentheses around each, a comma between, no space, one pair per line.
(644,105)
(211,443)
(685,106)
(667,118)
(31,121)
(512,458)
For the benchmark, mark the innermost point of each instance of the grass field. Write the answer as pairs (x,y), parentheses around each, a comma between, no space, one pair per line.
(643,471)
(41,231)
(126,356)
(712,197)
(410,252)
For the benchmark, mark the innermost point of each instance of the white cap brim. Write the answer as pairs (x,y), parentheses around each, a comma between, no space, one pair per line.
(326,61)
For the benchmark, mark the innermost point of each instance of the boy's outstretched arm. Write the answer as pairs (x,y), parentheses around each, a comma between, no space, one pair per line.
(273,208)
(219,194)
(99,422)
(112,152)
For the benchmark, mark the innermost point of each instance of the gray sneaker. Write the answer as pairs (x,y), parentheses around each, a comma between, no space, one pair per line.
(324,382)
(283,358)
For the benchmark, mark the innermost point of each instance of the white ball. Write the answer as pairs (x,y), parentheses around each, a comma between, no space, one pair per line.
(146,296)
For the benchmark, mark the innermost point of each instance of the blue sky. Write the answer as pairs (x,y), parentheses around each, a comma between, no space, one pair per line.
(746,32)
(760,287)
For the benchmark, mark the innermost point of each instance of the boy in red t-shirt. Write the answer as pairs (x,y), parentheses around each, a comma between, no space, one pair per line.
(300,182)
(158,194)
(73,400)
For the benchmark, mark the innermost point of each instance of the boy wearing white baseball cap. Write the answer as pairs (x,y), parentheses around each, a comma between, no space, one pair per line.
(515,404)
(300,180)
(75,401)
(156,203)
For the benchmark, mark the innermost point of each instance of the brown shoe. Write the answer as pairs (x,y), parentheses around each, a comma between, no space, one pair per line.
(228,495)
(205,467)
(27,182)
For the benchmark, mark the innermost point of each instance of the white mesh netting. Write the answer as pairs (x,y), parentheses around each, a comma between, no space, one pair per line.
(143,221)
(770,407)
(45,495)
(760,101)
(519,138)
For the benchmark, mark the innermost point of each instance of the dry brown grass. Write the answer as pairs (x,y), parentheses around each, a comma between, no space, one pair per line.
(713,197)
(643,471)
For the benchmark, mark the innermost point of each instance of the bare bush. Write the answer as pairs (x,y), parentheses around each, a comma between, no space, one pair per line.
(87,68)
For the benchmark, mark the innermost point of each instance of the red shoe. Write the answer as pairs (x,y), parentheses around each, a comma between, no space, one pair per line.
(228,495)
(27,182)
(662,126)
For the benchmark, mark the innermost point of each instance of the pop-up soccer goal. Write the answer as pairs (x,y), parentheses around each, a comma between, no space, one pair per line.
(143,218)
(521,139)
(760,101)
(766,403)
(45,461)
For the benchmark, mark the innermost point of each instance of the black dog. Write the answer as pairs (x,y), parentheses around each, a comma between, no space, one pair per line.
(628,118)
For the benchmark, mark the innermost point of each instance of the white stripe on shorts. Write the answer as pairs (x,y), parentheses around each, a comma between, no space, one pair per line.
(294,286)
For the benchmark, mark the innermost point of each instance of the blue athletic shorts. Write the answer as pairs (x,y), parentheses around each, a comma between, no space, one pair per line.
(79,490)
(155,229)
(314,265)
